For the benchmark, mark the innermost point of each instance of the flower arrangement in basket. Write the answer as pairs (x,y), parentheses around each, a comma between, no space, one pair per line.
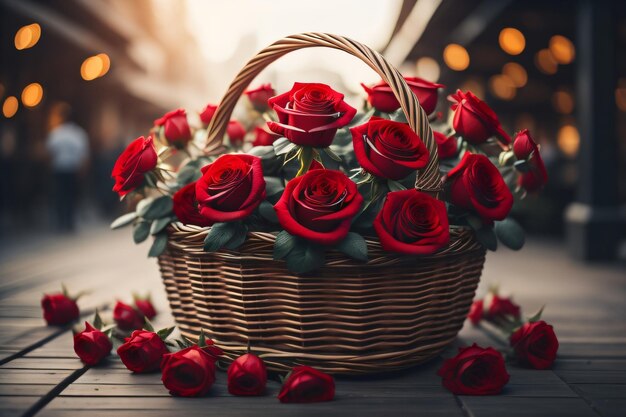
(348,239)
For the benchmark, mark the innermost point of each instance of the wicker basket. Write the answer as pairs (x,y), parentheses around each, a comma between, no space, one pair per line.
(349,317)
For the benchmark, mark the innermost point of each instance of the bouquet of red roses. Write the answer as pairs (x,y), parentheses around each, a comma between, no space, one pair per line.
(307,165)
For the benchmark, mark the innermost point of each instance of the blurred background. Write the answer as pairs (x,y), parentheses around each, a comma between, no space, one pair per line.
(555,67)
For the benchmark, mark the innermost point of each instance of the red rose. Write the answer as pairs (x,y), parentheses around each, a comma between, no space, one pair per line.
(474,371)
(186,207)
(535,344)
(189,372)
(230,188)
(126,317)
(446,145)
(382,98)
(310,114)
(138,158)
(235,132)
(247,375)
(307,385)
(59,309)
(413,223)
(142,351)
(501,307)
(207,114)
(474,119)
(388,149)
(319,206)
(145,306)
(91,345)
(263,137)
(175,127)
(259,96)
(475,314)
(476,184)
(525,148)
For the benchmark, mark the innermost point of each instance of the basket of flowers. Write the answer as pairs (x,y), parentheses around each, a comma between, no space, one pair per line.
(349,241)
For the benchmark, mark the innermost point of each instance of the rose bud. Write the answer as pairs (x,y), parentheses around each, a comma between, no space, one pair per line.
(126,317)
(138,158)
(247,375)
(310,114)
(474,371)
(207,114)
(236,133)
(476,184)
(91,345)
(446,145)
(535,345)
(413,223)
(319,206)
(59,309)
(142,351)
(525,149)
(475,314)
(186,207)
(381,97)
(263,137)
(189,372)
(175,127)
(474,119)
(388,149)
(307,385)
(501,307)
(231,188)
(144,305)
(259,96)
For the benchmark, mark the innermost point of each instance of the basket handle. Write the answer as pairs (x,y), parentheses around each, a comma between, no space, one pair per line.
(428,179)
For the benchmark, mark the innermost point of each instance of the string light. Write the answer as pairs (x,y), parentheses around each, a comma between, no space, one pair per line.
(516,73)
(512,41)
(568,140)
(562,49)
(95,67)
(27,36)
(545,62)
(10,106)
(456,57)
(32,94)
(563,102)
(502,87)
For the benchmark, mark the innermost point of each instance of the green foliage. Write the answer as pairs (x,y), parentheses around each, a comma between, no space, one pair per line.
(124,220)
(141,231)
(266,210)
(283,244)
(160,224)
(510,233)
(160,207)
(158,246)
(354,246)
(487,238)
(165,333)
(305,257)
(229,235)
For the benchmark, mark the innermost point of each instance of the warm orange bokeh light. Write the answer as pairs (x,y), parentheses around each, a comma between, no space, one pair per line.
(95,66)
(546,62)
(568,140)
(516,73)
(456,57)
(502,87)
(563,102)
(27,36)
(32,94)
(428,69)
(10,106)
(512,41)
(562,49)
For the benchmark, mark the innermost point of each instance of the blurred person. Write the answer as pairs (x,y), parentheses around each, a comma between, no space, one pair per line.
(68,146)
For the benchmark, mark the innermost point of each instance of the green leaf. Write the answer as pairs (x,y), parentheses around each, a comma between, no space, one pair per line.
(306,157)
(283,245)
(165,333)
(354,246)
(521,165)
(474,222)
(188,174)
(510,233)
(148,325)
(141,231)
(202,339)
(219,234)
(332,154)
(160,207)
(238,238)
(97,321)
(143,206)
(537,316)
(160,224)
(305,257)
(487,238)
(395,186)
(158,246)
(181,344)
(273,186)
(267,212)
(283,146)
(398,116)
(123,220)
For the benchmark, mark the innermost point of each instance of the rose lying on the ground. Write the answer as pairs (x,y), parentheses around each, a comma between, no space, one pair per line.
(307,385)
(59,309)
(91,345)
(494,308)
(535,345)
(143,351)
(127,317)
(247,375)
(189,372)
(144,305)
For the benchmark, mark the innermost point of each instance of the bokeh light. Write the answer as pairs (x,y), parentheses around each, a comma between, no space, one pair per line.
(428,69)
(568,140)
(620,98)
(516,73)
(545,62)
(562,49)
(95,66)
(563,102)
(27,36)
(502,87)
(32,94)
(10,106)
(512,41)
(475,86)
(456,57)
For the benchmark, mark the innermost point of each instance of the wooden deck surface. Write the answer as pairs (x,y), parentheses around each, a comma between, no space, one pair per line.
(40,375)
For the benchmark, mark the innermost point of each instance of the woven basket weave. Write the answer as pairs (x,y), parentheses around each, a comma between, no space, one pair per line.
(349,317)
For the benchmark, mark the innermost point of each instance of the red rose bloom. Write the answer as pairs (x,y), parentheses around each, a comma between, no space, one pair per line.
(319,206)
(259,96)
(310,114)
(307,385)
(501,307)
(126,317)
(145,306)
(230,188)
(247,375)
(388,149)
(535,345)
(382,98)
(476,184)
(186,207)
(59,309)
(138,158)
(175,127)
(474,371)
(142,351)
(189,372)
(235,132)
(474,119)
(413,223)
(91,345)
(263,137)
(525,148)
(446,145)
(475,314)
(207,114)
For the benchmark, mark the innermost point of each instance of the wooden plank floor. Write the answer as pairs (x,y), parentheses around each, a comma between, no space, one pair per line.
(40,375)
